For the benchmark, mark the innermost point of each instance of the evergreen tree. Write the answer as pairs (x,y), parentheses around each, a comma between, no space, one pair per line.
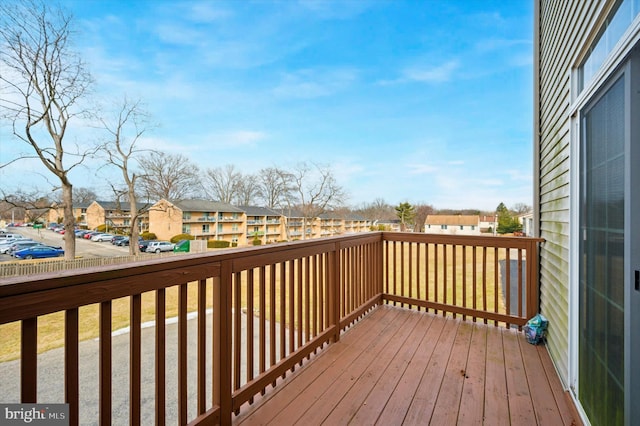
(406,213)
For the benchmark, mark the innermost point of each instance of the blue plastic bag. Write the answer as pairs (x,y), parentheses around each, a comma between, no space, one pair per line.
(536,329)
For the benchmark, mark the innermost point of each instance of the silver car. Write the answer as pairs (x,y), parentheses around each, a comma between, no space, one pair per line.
(158,246)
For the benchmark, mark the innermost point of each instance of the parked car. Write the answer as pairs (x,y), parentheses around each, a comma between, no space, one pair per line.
(39,252)
(8,236)
(142,245)
(6,244)
(90,234)
(158,246)
(117,238)
(19,245)
(125,242)
(102,237)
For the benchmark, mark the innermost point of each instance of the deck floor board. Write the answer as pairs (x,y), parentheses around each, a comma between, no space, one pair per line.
(398,366)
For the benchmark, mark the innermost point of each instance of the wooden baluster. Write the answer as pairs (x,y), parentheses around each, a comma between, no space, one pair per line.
(104,363)
(160,356)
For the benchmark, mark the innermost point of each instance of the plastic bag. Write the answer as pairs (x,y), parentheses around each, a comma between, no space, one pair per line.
(536,329)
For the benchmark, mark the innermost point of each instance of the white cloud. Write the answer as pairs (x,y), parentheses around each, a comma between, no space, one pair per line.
(245,137)
(162,144)
(433,74)
(308,83)
(174,33)
(231,139)
(518,175)
(420,169)
(425,74)
(493,44)
(331,10)
(206,12)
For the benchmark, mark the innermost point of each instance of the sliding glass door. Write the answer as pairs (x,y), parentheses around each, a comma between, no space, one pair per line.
(609,238)
(601,340)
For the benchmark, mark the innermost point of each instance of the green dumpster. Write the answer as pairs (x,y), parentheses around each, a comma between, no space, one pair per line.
(182,246)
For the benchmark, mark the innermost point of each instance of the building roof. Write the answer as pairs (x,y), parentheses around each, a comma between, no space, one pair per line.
(205,206)
(485,218)
(258,211)
(341,215)
(454,220)
(291,213)
(114,205)
(123,206)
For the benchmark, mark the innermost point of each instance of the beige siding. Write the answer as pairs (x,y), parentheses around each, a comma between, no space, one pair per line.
(565,31)
(165,220)
(95,215)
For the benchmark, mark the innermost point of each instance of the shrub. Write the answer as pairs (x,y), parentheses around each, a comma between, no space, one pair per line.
(148,236)
(217,244)
(256,241)
(177,238)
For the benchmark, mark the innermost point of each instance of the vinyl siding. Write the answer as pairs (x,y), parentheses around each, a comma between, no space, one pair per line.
(565,30)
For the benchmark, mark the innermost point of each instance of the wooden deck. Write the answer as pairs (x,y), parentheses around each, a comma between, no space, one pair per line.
(398,366)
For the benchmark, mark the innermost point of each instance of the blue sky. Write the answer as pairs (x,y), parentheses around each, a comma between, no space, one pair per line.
(419,101)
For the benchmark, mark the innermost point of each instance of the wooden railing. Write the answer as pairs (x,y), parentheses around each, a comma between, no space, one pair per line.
(271,309)
(491,278)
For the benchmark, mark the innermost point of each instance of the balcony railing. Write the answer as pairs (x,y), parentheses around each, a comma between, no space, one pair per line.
(207,219)
(271,309)
(230,219)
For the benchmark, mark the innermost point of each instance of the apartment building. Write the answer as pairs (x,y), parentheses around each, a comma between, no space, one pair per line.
(56,214)
(206,220)
(263,223)
(115,215)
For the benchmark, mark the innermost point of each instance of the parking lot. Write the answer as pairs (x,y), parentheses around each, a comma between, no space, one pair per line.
(84,248)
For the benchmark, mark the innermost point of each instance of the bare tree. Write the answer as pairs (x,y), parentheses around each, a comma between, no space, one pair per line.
(122,151)
(222,183)
(421,213)
(274,186)
(247,190)
(80,196)
(84,196)
(43,81)
(33,205)
(521,208)
(377,210)
(315,191)
(169,176)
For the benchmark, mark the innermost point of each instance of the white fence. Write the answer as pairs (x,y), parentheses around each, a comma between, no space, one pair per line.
(30,267)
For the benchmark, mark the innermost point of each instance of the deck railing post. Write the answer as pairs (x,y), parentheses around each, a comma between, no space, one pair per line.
(222,316)
(334,291)
(532,278)
(379,279)
(29,360)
